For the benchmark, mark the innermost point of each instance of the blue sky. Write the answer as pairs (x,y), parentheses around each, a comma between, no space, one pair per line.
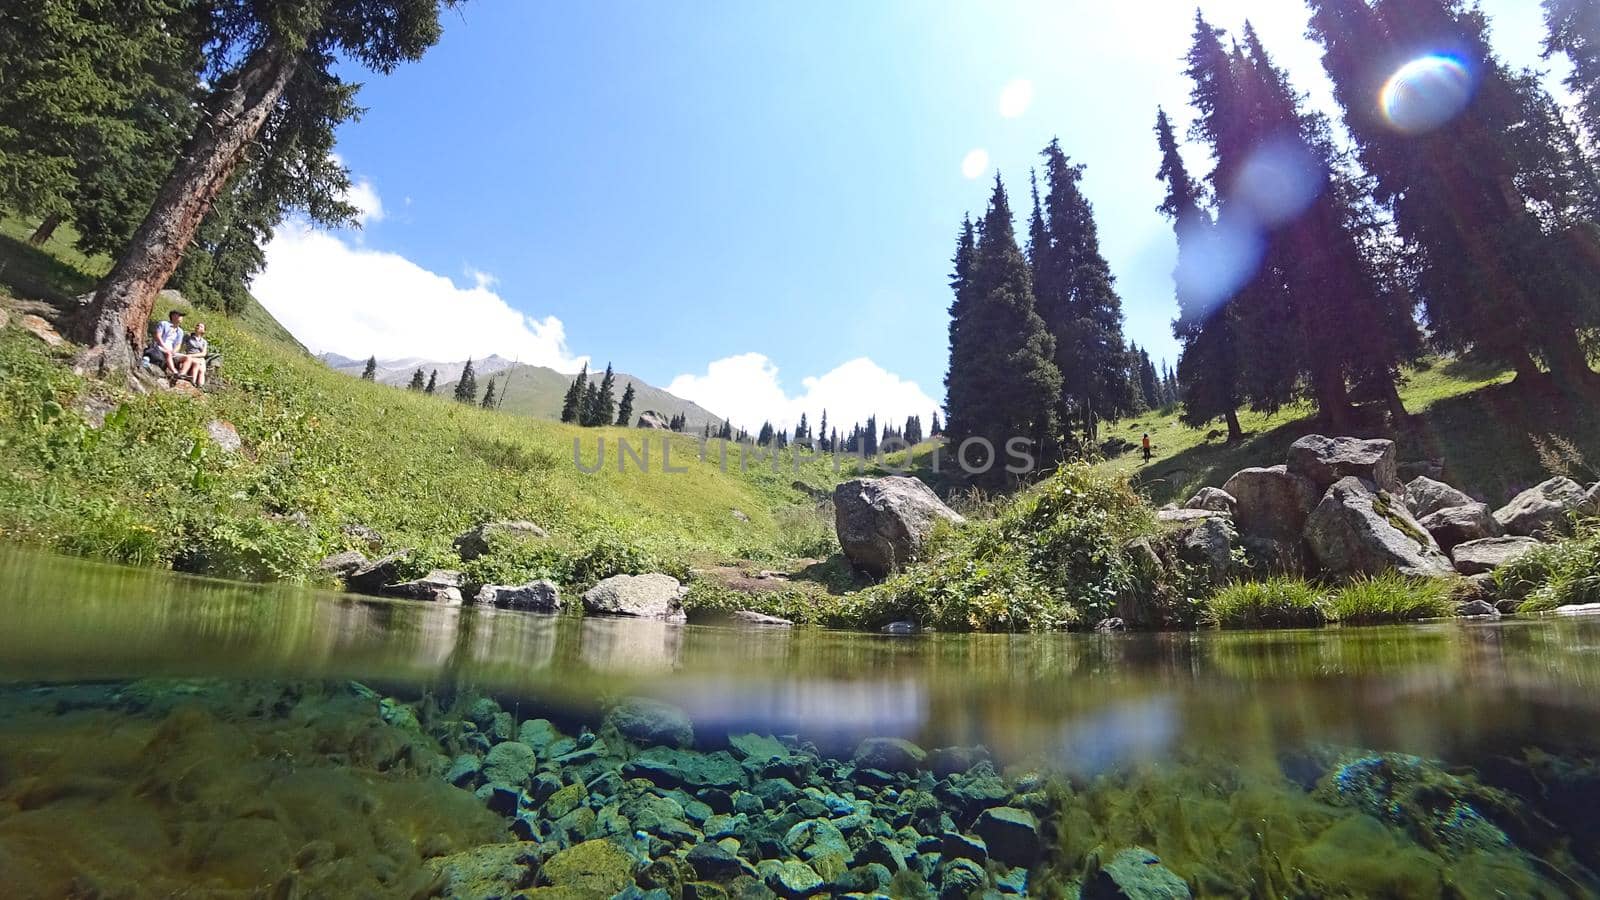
(735,197)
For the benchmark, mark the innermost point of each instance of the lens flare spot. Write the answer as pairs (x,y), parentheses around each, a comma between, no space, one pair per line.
(1426,93)
(974,163)
(1278,181)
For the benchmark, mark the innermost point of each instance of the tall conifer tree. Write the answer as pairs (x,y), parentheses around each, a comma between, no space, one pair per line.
(572,404)
(433,383)
(467,384)
(417,381)
(625,408)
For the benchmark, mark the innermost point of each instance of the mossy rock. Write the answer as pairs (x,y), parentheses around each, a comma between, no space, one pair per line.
(590,869)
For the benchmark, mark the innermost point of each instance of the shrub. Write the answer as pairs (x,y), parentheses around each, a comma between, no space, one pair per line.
(1273,603)
(1054,557)
(1390,597)
(1561,574)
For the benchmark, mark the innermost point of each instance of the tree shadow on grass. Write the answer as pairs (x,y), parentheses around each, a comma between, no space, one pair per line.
(30,273)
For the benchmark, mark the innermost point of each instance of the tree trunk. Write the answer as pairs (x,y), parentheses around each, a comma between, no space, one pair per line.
(113,324)
(1333,400)
(45,230)
(1392,402)
(1569,365)
(1235,433)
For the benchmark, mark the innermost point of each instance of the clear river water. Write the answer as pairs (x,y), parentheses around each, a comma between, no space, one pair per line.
(163,735)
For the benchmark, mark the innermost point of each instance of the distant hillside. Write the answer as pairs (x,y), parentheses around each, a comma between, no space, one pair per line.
(536,391)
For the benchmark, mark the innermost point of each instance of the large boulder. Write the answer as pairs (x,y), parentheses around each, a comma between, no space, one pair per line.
(1360,530)
(1135,874)
(883,523)
(535,596)
(342,564)
(475,542)
(371,578)
(1214,499)
(1012,835)
(1457,524)
(1326,460)
(1543,510)
(653,420)
(1209,544)
(438,586)
(1488,554)
(653,596)
(650,722)
(1425,496)
(1272,502)
(889,755)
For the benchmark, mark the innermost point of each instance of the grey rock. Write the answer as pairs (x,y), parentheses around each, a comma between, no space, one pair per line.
(713,863)
(438,586)
(750,617)
(900,628)
(650,722)
(1542,511)
(1425,496)
(535,596)
(1213,498)
(1175,516)
(342,564)
(652,596)
(889,755)
(538,733)
(955,845)
(500,798)
(1326,460)
(1209,544)
(1271,502)
(970,796)
(1357,530)
(1135,874)
(1420,468)
(1488,554)
(653,420)
(510,762)
(1110,625)
(1011,834)
(1473,608)
(882,523)
(464,770)
(1507,606)
(887,853)
(370,578)
(947,761)
(474,542)
(816,837)
(1458,524)
(224,435)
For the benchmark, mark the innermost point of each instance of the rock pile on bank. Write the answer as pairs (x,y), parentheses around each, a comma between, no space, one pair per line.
(1337,507)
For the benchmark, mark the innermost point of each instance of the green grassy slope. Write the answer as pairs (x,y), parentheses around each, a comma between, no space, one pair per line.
(1494,438)
(538,391)
(322,450)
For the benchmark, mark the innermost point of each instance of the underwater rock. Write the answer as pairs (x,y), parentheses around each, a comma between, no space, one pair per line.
(538,734)
(493,870)
(970,796)
(1445,813)
(1135,874)
(960,879)
(1012,881)
(889,755)
(500,797)
(712,862)
(464,770)
(669,767)
(651,722)
(813,838)
(510,762)
(564,801)
(757,747)
(1012,835)
(955,845)
(947,761)
(598,867)
(792,879)
(652,596)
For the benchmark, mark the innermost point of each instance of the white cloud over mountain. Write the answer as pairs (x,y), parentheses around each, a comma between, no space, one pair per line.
(746,388)
(342,297)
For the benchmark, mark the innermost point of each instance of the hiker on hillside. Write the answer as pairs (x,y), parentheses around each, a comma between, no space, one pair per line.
(1146,445)
(192,364)
(168,343)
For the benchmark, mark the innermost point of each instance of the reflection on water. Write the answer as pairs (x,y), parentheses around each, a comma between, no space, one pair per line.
(1205,748)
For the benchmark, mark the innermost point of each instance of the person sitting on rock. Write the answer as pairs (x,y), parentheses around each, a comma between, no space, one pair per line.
(168,343)
(192,363)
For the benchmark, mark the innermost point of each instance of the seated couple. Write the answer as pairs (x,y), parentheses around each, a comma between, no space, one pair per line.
(182,355)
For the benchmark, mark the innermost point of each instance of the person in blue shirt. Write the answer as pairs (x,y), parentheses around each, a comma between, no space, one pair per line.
(168,343)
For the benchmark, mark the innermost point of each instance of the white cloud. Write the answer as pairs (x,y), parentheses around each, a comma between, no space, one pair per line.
(1015,98)
(364,197)
(975,163)
(747,390)
(358,302)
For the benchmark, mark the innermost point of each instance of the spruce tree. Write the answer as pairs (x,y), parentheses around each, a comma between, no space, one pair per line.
(1208,368)
(370,372)
(1077,299)
(1492,273)
(822,433)
(417,381)
(936,429)
(467,384)
(625,409)
(572,404)
(1003,381)
(913,430)
(488,396)
(588,412)
(433,383)
(801,431)
(764,437)
(603,410)
(1574,29)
